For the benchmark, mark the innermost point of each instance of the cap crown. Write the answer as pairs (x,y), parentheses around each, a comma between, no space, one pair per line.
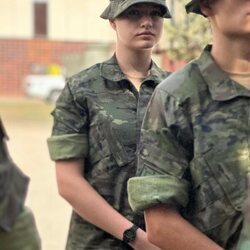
(116,7)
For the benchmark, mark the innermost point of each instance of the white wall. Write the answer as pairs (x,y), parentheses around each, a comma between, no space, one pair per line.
(15,19)
(79,20)
(72,20)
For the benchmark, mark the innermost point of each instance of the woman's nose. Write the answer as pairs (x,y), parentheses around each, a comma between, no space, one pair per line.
(146,21)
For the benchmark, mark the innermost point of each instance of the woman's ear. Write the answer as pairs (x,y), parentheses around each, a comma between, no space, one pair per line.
(205,6)
(112,24)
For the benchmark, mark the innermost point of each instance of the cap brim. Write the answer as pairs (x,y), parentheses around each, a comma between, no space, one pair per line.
(194,7)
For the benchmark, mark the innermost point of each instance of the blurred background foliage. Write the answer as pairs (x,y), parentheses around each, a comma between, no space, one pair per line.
(187,34)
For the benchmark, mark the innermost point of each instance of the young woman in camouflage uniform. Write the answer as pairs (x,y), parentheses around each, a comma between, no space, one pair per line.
(194,158)
(97,122)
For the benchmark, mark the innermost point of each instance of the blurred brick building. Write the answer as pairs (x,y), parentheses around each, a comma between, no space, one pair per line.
(35,34)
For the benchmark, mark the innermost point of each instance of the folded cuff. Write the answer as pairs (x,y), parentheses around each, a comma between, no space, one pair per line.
(62,147)
(148,191)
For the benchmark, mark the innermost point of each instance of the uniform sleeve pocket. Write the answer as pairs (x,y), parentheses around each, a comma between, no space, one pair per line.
(218,189)
(230,173)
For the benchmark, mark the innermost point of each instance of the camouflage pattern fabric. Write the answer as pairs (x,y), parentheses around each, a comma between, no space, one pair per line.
(116,7)
(194,150)
(13,185)
(244,242)
(98,118)
(23,235)
(17,225)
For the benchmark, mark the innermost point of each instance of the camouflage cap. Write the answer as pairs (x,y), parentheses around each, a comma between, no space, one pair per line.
(194,6)
(116,7)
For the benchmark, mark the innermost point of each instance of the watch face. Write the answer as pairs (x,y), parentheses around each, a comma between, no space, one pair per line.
(130,234)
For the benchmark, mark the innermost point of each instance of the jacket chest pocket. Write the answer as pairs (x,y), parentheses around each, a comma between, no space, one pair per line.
(105,143)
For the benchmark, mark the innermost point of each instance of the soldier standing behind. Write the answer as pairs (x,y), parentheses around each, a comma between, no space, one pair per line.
(195,152)
(17,224)
(97,123)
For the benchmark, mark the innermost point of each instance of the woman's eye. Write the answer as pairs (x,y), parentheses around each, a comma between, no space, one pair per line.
(156,13)
(137,14)
(133,13)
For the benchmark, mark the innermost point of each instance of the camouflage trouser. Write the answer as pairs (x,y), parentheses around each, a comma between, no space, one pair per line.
(24,234)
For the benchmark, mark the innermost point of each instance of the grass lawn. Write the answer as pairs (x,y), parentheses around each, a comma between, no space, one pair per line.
(25,109)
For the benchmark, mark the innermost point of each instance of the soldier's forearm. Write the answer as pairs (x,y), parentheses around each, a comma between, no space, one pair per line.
(168,230)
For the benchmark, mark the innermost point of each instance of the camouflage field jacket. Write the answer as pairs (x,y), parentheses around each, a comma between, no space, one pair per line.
(13,186)
(98,118)
(195,149)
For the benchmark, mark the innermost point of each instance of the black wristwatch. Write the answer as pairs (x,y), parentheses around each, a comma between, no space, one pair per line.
(129,235)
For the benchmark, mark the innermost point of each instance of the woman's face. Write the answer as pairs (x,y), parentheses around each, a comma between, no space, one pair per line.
(139,27)
(230,17)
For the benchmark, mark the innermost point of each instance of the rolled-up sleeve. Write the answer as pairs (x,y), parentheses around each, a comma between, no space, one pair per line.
(68,146)
(148,191)
(69,139)
(162,157)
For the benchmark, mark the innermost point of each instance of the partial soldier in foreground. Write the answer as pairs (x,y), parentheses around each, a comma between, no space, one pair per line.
(17,224)
(194,156)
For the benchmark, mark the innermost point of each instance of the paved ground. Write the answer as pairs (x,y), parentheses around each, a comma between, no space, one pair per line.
(28,125)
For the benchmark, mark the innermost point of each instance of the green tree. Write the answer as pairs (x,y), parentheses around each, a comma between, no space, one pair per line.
(187,35)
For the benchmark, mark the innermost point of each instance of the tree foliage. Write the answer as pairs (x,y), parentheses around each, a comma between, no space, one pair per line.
(186,34)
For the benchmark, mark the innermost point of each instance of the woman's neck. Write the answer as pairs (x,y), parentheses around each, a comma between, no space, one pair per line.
(134,63)
(232,55)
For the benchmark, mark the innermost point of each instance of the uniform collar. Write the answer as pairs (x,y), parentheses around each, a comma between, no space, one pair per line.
(111,71)
(221,87)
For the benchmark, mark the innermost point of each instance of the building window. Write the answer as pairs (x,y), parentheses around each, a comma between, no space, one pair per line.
(40,18)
